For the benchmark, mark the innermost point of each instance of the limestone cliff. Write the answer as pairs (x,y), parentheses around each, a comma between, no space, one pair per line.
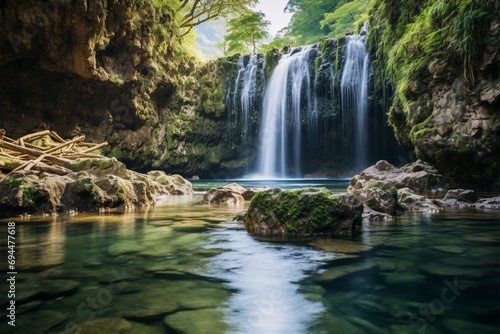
(103,68)
(442,59)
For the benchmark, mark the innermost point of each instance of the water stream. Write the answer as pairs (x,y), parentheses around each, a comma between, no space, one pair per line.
(186,267)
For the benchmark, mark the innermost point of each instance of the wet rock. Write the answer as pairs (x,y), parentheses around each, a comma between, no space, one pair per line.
(379,196)
(113,325)
(37,322)
(310,211)
(370,215)
(229,194)
(248,193)
(461,195)
(488,203)
(413,202)
(337,272)
(340,246)
(418,176)
(440,269)
(197,321)
(56,288)
(461,326)
(94,185)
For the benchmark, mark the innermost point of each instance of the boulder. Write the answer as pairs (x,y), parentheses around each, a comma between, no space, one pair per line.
(418,176)
(413,202)
(380,196)
(105,185)
(309,211)
(231,194)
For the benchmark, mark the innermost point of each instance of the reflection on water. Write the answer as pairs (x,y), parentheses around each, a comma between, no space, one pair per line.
(265,277)
(185,267)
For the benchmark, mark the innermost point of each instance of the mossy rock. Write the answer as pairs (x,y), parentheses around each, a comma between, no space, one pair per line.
(308,211)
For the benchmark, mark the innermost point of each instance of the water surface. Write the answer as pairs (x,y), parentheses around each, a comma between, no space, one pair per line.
(186,267)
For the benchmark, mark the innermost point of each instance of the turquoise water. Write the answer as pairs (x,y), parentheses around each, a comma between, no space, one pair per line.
(187,268)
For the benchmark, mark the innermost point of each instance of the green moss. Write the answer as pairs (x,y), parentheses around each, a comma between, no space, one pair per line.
(12,182)
(300,214)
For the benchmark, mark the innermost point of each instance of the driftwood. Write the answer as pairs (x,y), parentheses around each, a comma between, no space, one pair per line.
(26,154)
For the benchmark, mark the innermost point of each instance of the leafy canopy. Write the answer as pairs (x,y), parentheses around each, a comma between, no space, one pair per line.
(245,32)
(195,12)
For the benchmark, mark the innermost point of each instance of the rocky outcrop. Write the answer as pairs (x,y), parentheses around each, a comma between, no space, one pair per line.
(231,194)
(310,211)
(94,185)
(388,190)
(445,79)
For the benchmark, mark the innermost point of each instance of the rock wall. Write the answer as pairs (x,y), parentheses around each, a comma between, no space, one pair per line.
(107,69)
(442,60)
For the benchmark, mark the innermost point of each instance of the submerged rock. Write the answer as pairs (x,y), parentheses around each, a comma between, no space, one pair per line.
(310,211)
(94,185)
(197,321)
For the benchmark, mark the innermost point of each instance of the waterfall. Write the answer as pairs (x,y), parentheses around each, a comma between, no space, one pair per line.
(289,88)
(244,94)
(354,99)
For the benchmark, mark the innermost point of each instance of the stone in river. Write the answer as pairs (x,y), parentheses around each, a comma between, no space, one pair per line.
(336,272)
(113,325)
(37,322)
(125,247)
(61,287)
(440,269)
(450,249)
(208,320)
(340,246)
(461,326)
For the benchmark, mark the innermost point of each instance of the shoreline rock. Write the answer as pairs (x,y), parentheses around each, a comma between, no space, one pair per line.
(388,190)
(94,185)
(231,194)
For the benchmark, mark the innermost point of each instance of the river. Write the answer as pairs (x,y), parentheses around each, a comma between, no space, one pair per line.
(188,268)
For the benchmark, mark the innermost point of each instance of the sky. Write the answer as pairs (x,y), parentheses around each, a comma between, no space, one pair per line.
(273,9)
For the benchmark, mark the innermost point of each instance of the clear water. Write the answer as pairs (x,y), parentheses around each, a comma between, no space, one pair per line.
(186,267)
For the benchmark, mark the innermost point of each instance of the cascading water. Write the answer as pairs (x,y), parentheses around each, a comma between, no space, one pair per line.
(245,92)
(354,98)
(280,133)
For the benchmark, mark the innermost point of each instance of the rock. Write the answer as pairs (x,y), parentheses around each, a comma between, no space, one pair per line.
(461,195)
(197,321)
(337,272)
(380,196)
(340,246)
(418,176)
(248,193)
(309,211)
(488,203)
(370,215)
(95,185)
(413,202)
(461,326)
(113,325)
(37,321)
(229,194)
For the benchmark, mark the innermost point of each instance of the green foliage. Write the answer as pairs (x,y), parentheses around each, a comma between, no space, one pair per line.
(446,30)
(346,17)
(307,14)
(246,32)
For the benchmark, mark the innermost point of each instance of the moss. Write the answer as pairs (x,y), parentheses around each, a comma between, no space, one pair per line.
(86,187)
(12,182)
(30,196)
(300,214)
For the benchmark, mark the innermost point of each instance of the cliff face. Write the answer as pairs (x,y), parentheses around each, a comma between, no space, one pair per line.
(91,67)
(442,59)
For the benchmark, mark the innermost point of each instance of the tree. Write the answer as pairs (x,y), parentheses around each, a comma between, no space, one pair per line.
(307,15)
(346,16)
(245,32)
(195,12)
